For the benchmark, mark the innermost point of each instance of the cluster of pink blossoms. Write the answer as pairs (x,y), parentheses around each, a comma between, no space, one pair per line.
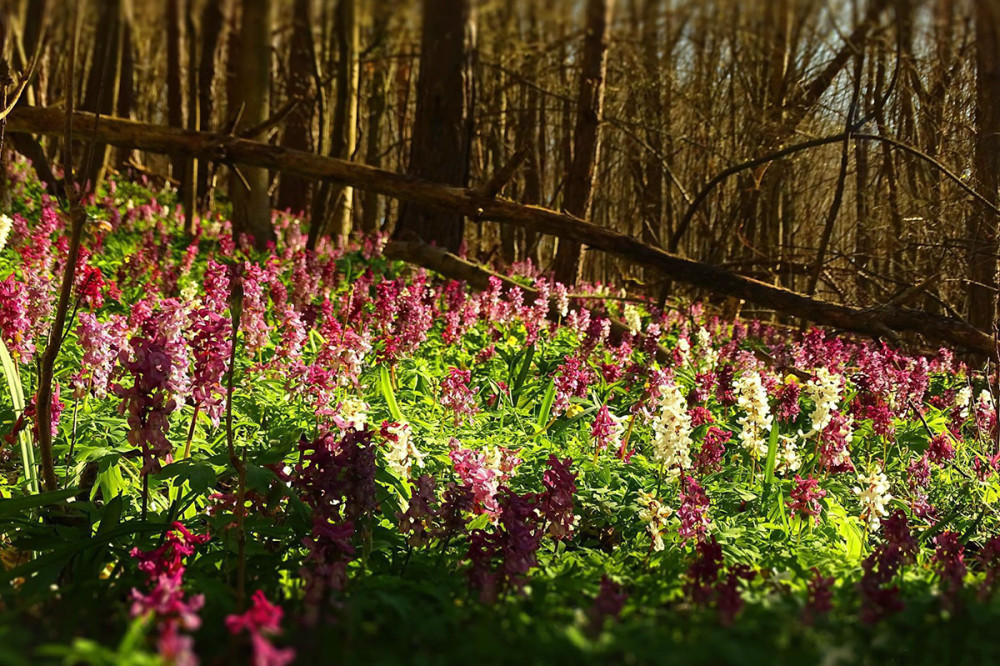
(262,621)
(175,613)
(457,395)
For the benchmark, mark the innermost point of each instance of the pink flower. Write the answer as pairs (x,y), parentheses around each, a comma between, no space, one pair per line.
(604,430)
(166,601)
(803,499)
(101,344)
(147,401)
(556,502)
(15,325)
(456,394)
(262,621)
(693,511)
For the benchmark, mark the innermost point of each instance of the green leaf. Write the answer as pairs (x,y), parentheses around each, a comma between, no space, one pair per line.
(17,399)
(11,507)
(515,390)
(385,383)
(550,396)
(772,455)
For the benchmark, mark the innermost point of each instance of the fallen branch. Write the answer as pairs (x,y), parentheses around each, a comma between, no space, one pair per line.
(230,149)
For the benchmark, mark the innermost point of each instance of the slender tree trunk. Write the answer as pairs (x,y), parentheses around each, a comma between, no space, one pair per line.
(586,135)
(983,226)
(294,193)
(378,92)
(249,194)
(175,85)
(444,117)
(212,27)
(103,83)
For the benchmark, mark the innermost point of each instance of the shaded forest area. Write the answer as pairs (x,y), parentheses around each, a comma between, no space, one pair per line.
(844,150)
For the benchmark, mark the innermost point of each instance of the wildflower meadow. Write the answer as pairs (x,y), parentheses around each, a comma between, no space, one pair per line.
(289,456)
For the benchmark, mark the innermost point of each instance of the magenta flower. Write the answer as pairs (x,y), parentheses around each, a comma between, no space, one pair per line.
(262,621)
(572,380)
(949,565)
(15,325)
(713,448)
(605,430)
(456,394)
(147,401)
(693,511)
(556,502)
(608,604)
(166,601)
(211,344)
(819,600)
(803,498)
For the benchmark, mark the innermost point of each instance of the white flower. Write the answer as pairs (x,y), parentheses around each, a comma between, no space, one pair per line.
(353,414)
(655,515)
(788,457)
(756,420)
(632,318)
(684,347)
(709,356)
(672,431)
(402,453)
(5,224)
(873,494)
(824,391)
(962,399)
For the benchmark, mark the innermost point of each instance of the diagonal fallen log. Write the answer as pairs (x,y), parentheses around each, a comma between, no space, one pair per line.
(234,150)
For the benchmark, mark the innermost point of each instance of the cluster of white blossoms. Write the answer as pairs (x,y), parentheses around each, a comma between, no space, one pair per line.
(684,349)
(672,431)
(962,400)
(873,493)
(824,390)
(5,225)
(655,515)
(756,420)
(632,318)
(788,460)
(402,453)
(353,413)
(707,354)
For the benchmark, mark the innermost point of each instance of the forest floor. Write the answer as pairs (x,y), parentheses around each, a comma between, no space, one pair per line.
(400,470)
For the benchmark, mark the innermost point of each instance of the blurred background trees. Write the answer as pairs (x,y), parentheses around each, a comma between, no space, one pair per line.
(618,111)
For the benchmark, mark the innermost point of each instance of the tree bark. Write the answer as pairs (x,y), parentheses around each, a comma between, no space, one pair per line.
(175,86)
(249,194)
(334,206)
(586,134)
(294,193)
(983,225)
(444,117)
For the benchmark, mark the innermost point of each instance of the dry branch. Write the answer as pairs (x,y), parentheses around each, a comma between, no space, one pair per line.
(228,149)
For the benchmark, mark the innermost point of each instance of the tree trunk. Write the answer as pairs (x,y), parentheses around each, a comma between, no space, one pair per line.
(983,225)
(586,136)
(294,192)
(103,84)
(332,210)
(444,117)
(249,194)
(212,26)
(378,91)
(175,86)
